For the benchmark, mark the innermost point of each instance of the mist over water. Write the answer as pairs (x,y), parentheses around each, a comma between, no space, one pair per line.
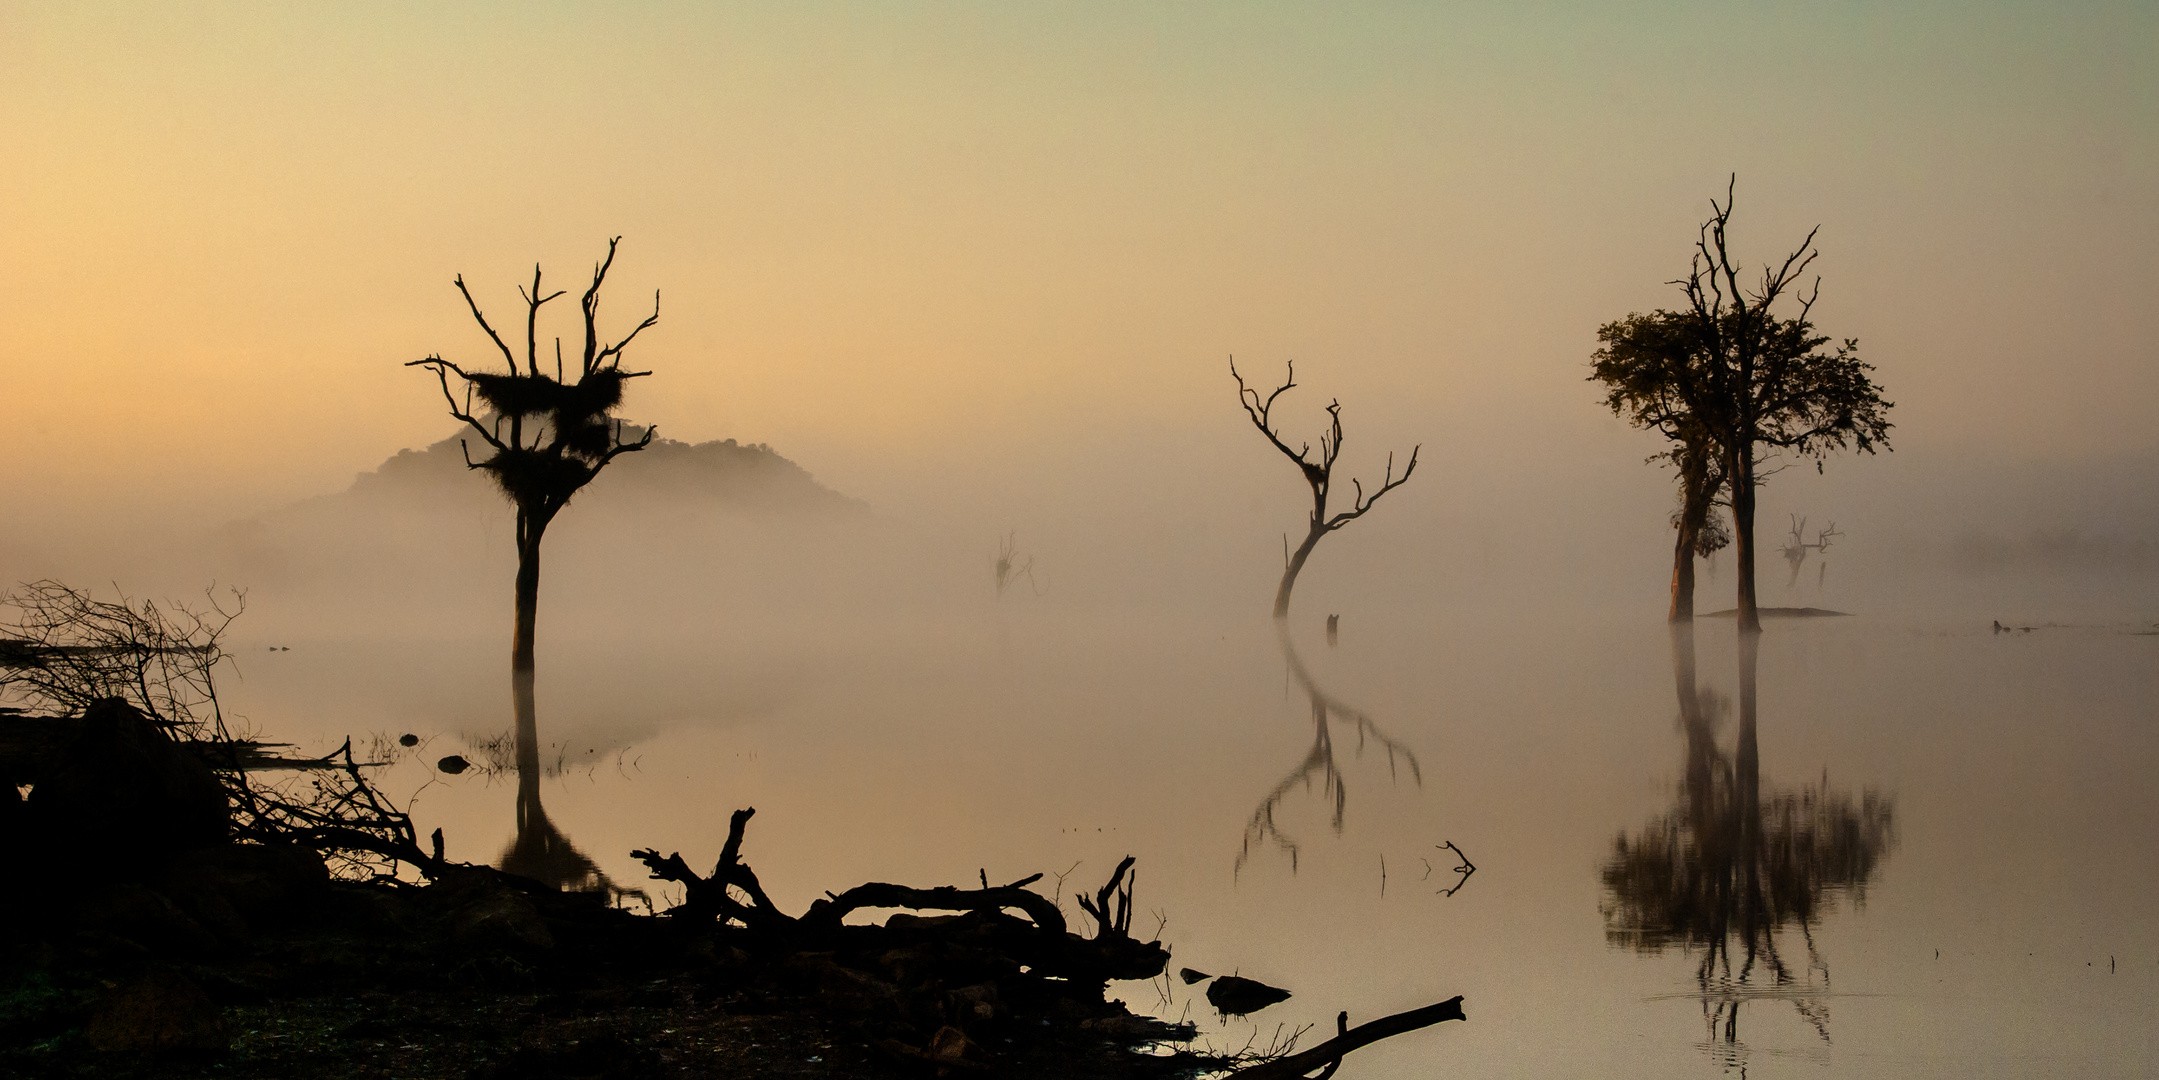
(947,286)
(854,673)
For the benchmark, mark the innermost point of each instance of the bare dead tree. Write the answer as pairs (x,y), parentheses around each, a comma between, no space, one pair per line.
(1012,565)
(1319,475)
(1796,547)
(550,436)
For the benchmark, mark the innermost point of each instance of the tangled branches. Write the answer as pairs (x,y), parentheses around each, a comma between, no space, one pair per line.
(66,650)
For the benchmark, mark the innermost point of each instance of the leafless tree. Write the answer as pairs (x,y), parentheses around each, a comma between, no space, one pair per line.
(1012,565)
(550,436)
(1796,547)
(1319,475)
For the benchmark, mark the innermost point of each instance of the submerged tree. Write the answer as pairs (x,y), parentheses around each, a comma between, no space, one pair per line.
(550,435)
(1319,475)
(1758,383)
(1640,364)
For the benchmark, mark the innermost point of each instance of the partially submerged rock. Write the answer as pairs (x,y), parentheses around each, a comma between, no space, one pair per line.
(1232,995)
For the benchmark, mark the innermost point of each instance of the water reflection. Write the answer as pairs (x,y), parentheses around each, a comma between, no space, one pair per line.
(540,851)
(1319,761)
(1731,869)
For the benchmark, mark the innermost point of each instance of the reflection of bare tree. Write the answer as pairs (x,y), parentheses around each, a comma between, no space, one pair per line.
(1320,760)
(1731,867)
(540,851)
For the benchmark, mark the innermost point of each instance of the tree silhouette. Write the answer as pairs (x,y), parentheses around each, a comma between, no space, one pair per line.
(1318,474)
(1755,382)
(550,436)
(1636,364)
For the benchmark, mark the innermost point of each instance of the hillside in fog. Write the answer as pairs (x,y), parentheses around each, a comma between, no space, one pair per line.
(424,532)
(747,478)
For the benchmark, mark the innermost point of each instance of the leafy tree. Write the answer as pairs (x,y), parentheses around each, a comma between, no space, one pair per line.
(1637,365)
(550,435)
(1757,383)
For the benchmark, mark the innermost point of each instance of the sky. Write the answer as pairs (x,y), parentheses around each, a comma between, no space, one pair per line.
(1002,254)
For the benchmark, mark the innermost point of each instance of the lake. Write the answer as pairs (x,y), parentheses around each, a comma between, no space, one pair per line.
(1936,855)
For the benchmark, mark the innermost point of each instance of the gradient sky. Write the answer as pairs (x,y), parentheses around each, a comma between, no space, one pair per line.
(899,238)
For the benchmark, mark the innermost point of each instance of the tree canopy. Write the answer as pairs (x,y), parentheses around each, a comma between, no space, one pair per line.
(1728,374)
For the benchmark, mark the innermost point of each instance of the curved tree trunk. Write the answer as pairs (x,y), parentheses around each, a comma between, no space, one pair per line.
(1698,493)
(1683,571)
(1296,565)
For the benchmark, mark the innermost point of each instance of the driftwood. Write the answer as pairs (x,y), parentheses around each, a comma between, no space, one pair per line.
(1041,942)
(707,897)
(1328,1055)
(827,913)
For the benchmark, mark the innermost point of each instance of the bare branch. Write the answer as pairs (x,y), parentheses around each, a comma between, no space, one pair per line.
(615,351)
(482,320)
(591,306)
(1360,505)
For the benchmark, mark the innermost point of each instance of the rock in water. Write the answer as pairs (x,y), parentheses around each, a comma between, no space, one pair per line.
(125,794)
(1190,976)
(453,764)
(1233,996)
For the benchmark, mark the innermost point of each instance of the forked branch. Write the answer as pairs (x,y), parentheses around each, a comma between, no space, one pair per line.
(1318,475)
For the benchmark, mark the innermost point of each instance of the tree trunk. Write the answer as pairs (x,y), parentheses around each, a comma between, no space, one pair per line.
(1296,564)
(1741,470)
(1683,570)
(529,531)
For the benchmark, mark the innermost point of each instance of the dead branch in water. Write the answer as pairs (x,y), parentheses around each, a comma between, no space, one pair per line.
(1328,1055)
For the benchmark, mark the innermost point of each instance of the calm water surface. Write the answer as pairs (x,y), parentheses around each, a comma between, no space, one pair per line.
(1914,850)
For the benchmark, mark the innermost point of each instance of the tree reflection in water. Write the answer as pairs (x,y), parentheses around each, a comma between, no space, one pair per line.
(1319,761)
(540,851)
(1731,867)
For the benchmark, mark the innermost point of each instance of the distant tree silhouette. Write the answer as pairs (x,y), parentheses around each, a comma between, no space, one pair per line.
(1795,549)
(1755,382)
(550,435)
(1636,364)
(1318,474)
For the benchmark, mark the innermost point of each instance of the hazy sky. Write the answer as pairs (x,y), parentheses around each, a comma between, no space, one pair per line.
(895,240)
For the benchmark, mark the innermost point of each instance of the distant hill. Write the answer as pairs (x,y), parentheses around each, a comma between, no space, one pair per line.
(723,475)
(674,524)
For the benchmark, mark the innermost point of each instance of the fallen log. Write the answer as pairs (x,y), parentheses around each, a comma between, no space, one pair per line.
(1046,946)
(826,914)
(1328,1055)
